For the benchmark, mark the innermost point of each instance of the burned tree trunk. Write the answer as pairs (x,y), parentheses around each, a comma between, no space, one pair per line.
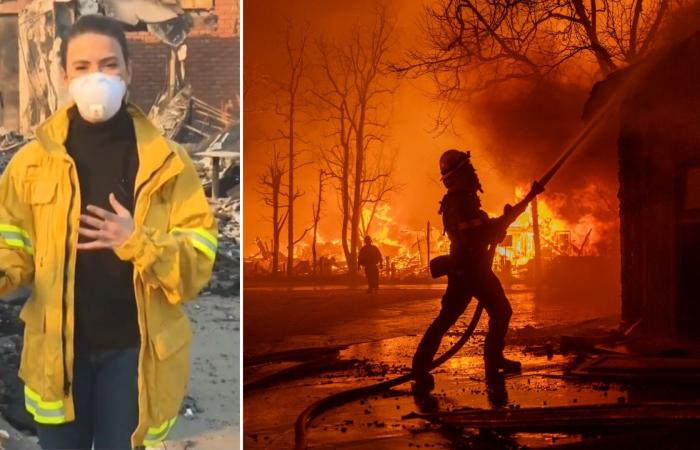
(317,218)
(292,89)
(354,73)
(277,225)
(270,189)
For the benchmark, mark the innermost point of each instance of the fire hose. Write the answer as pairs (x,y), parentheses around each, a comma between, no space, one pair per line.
(320,406)
(340,398)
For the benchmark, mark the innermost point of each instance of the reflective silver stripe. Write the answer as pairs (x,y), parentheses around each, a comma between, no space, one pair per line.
(470,224)
(43,412)
(16,237)
(201,239)
(204,242)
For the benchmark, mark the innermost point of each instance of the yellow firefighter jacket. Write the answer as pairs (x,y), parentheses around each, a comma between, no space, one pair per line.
(172,248)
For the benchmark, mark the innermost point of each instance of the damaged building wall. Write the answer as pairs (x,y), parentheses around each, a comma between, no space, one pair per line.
(41,83)
(213,70)
(659,154)
(9,72)
(213,56)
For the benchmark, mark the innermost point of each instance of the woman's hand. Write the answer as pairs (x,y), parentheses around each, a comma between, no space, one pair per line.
(109,230)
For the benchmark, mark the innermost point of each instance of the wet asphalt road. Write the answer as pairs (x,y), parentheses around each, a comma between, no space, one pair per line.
(381,332)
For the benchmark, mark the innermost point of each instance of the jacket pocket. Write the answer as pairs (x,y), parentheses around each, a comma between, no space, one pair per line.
(41,196)
(39,192)
(172,350)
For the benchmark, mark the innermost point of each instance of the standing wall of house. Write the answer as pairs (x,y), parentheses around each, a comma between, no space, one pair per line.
(660,222)
(213,56)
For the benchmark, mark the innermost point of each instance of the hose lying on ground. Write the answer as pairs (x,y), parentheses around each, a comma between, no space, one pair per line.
(332,401)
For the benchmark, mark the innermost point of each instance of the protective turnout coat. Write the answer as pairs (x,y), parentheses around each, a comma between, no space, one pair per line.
(172,248)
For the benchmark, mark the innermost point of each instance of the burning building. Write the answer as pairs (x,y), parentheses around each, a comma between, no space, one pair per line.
(659,171)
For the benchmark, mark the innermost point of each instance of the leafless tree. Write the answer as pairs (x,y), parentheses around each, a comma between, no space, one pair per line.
(270,190)
(355,84)
(376,187)
(287,107)
(474,44)
(316,210)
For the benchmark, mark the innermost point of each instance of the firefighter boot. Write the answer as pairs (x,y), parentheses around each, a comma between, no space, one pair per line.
(424,383)
(510,366)
(501,366)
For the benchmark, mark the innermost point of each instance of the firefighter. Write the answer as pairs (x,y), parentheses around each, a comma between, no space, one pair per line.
(473,238)
(369,258)
(108,222)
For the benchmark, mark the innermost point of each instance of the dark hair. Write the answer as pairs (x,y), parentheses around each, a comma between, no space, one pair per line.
(98,24)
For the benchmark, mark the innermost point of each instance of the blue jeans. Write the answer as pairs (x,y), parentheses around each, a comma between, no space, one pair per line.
(105,393)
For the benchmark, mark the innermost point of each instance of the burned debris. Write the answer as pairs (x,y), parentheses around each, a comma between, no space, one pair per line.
(10,143)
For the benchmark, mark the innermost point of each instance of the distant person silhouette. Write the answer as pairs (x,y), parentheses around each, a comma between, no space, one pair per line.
(370,257)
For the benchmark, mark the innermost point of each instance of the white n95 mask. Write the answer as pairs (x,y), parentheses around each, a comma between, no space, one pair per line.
(98,95)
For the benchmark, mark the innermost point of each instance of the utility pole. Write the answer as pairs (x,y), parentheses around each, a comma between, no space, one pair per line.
(427,239)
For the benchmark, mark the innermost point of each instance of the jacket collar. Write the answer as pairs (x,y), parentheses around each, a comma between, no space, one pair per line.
(153,148)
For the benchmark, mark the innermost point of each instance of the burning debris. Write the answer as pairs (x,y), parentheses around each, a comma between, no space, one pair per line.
(407,251)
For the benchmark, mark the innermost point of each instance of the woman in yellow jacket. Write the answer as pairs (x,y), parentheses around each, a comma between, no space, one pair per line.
(108,223)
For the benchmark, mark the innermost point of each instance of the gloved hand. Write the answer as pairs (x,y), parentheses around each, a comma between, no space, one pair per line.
(536,189)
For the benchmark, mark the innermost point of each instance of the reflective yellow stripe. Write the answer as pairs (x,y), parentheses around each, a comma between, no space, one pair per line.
(16,237)
(156,435)
(201,239)
(43,412)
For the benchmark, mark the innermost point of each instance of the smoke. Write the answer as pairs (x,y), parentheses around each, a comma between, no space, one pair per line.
(680,24)
(524,128)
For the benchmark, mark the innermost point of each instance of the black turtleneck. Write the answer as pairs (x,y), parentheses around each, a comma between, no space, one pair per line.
(106,159)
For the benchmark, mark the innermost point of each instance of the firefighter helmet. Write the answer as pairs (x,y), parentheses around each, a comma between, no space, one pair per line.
(452,160)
